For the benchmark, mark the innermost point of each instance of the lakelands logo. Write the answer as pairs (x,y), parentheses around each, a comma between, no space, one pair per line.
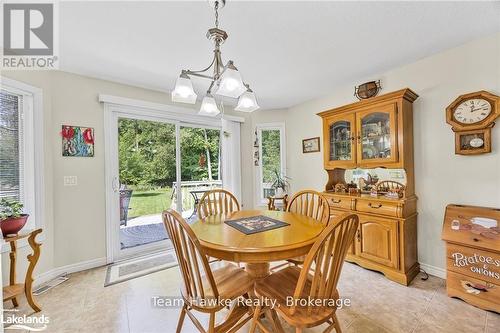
(12,321)
(29,33)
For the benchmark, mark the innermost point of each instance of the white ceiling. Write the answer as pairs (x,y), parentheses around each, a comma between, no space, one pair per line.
(289,52)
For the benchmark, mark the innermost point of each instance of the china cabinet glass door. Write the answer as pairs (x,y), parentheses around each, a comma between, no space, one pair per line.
(341,150)
(377,135)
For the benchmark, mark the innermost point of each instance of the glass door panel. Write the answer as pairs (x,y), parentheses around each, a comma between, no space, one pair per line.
(200,166)
(340,133)
(340,141)
(377,135)
(271,160)
(147,174)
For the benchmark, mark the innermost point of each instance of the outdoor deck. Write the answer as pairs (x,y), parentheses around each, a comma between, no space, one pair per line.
(146,229)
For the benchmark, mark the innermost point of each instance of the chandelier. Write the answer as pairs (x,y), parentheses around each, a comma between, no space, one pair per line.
(225,80)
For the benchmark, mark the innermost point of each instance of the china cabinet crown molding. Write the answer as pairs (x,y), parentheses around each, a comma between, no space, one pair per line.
(406,94)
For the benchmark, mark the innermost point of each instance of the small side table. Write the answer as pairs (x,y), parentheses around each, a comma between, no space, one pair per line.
(274,203)
(14,289)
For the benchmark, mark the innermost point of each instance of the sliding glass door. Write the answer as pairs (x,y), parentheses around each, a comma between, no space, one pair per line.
(200,166)
(147,176)
(156,164)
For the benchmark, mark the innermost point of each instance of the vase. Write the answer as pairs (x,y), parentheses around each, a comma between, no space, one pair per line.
(12,225)
(279,193)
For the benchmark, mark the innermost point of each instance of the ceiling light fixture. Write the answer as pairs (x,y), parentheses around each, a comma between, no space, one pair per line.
(209,106)
(247,101)
(226,79)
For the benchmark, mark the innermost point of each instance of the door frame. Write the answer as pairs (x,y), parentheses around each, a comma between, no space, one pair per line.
(150,112)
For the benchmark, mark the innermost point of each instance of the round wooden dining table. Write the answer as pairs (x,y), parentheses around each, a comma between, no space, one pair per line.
(257,250)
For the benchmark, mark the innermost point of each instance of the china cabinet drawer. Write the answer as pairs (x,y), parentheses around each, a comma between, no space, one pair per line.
(334,213)
(477,292)
(339,202)
(378,207)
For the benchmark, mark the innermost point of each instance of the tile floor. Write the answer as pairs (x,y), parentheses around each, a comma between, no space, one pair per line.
(82,304)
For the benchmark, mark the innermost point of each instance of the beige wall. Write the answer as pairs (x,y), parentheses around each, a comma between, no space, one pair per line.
(75,215)
(441,176)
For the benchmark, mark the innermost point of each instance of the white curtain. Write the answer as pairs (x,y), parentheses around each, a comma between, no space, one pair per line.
(231,157)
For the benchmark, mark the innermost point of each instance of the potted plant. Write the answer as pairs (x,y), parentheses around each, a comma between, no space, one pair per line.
(12,218)
(280,184)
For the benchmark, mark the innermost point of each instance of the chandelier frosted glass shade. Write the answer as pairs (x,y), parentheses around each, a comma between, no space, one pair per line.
(209,106)
(183,91)
(247,102)
(231,84)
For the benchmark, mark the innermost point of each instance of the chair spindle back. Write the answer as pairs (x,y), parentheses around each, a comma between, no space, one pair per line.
(217,202)
(312,204)
(193,263)
(327,255)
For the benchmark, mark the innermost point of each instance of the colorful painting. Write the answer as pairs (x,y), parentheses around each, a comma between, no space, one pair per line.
(252,225)
(77,141)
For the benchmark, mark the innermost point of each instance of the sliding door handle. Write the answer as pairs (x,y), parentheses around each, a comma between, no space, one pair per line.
(114,184)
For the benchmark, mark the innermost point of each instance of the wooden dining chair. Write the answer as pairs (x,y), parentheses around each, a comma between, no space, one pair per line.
(390,185)
(203,288)
(318,285)
(217,201)
(312,204)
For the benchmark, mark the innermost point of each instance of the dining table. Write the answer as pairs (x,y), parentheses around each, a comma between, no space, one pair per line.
(258,250)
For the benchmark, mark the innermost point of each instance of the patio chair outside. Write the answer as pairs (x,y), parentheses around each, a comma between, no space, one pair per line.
(125,196)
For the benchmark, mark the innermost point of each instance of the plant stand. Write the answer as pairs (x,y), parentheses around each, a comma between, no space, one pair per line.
(14,289)
(274,203)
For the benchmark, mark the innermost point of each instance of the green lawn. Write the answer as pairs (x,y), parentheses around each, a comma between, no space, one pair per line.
(149,202)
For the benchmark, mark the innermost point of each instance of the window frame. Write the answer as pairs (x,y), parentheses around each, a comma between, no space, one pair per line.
(260,199)
(32,151)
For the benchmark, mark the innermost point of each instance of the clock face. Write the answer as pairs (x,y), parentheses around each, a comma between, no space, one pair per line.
(472,111)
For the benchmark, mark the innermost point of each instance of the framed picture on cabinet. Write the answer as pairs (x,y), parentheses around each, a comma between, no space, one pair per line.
(310,145)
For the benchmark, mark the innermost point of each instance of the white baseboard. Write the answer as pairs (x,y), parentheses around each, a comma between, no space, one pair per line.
(73,268)
(84,265)
(433,270)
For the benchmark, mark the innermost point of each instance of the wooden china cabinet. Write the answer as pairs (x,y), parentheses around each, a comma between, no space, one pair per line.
(375,133)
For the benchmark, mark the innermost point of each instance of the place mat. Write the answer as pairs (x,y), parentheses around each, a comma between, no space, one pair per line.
(255,224)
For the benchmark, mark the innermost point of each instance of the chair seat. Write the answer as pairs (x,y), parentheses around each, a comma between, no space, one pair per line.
(231,281)
(281,285)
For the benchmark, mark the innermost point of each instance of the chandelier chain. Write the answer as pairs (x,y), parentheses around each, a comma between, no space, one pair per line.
(216,14)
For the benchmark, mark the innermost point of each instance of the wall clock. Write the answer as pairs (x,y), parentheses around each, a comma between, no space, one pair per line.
(471,117)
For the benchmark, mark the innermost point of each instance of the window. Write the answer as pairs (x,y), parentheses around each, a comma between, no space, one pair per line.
(11,166)
(271,139)
(21,147)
